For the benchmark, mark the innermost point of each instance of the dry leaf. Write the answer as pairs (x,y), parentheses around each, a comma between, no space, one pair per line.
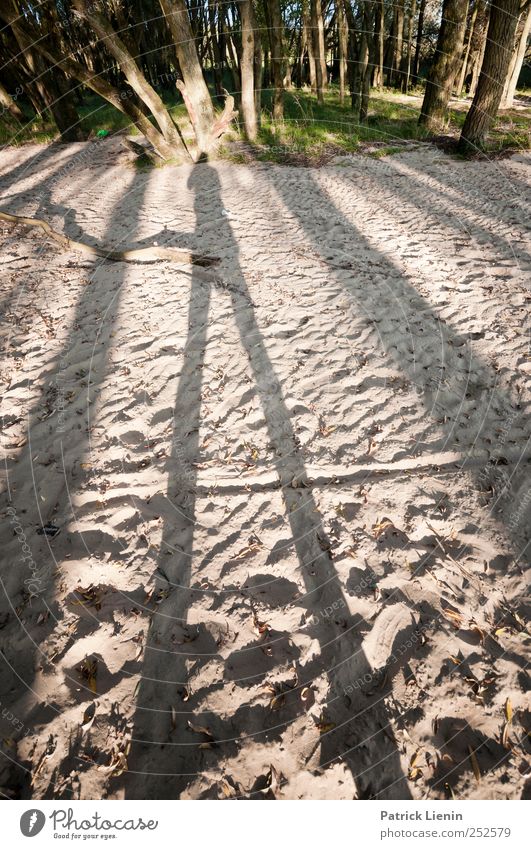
(508,711)
(455,618)
(88,716)
(474,762)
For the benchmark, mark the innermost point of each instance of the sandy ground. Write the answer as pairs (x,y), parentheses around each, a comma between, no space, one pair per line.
(266,536)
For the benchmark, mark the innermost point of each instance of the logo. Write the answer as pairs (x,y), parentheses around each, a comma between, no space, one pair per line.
(32,822)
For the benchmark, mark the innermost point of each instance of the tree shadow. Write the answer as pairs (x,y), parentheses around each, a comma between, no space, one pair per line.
(164,759)
(40,483)
(446,372)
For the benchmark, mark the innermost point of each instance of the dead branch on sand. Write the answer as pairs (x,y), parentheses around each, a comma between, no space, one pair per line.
(149,254)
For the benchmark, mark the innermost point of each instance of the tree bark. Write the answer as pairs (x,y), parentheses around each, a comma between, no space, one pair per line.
(317,34)
(132,72)
(276,41)
(479,42)
(398,43)
(10,105)
(443,71)
(342,48)
(511,82)
(409,49)
(418,45)
(503,21)
(462,74)
(380,43)
(309,44)
(247,69)
(176,14)
(51,85)
(97,83)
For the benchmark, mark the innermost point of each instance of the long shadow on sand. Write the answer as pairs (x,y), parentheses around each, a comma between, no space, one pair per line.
(164,759)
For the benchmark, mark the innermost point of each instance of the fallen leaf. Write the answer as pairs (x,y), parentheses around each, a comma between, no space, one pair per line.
(474,762)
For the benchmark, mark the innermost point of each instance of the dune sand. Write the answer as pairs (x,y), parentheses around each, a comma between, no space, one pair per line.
(266,535)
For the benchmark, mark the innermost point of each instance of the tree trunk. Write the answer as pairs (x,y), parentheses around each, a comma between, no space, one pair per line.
(409,50)
(361,75)
(343,48)
(442,74)
(95,82)
(317,34)
(498,52)
(479,42)
(216,49)
(258,68)
(10,104)
(247,69)
(462,74)
(368,19)
(420,31)
(176,13)
(276,27)
(308,41)
(516,65)
(132,72)
(380,43)
(398,44)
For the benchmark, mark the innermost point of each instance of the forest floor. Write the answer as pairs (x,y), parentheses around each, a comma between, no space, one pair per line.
(266,535)
(310,134)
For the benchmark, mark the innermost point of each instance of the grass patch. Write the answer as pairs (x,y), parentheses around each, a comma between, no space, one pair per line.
(309,134)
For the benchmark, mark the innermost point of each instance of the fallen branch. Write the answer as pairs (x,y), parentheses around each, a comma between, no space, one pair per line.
(150,254)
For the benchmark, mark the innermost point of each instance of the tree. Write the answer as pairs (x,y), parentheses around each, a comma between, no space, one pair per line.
(248,103)
(517,61)
(196,92)
(275,28)
(134,76)
(445,65)
(504,15)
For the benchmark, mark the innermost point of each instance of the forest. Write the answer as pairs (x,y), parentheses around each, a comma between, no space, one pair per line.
(226,61)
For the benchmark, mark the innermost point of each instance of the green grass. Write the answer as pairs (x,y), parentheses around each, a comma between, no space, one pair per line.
(309,134)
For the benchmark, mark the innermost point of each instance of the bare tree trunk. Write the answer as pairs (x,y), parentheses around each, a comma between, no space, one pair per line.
(317,34)
(462,74)
(399,42)
(517,62)
(368,20)
(361,75)
(131,71)
(498,52)
(95,82)
(9,104)
(380,36)
(176,13)
(216,51)
(343,48)
(52,86)
(418,45)
(321,55)
(258,68)
(308,41)
(247,69)
(479,42)
(276,27)
(409,50)
(442,74)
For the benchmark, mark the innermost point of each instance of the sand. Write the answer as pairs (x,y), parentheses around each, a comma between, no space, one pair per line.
(266,536)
